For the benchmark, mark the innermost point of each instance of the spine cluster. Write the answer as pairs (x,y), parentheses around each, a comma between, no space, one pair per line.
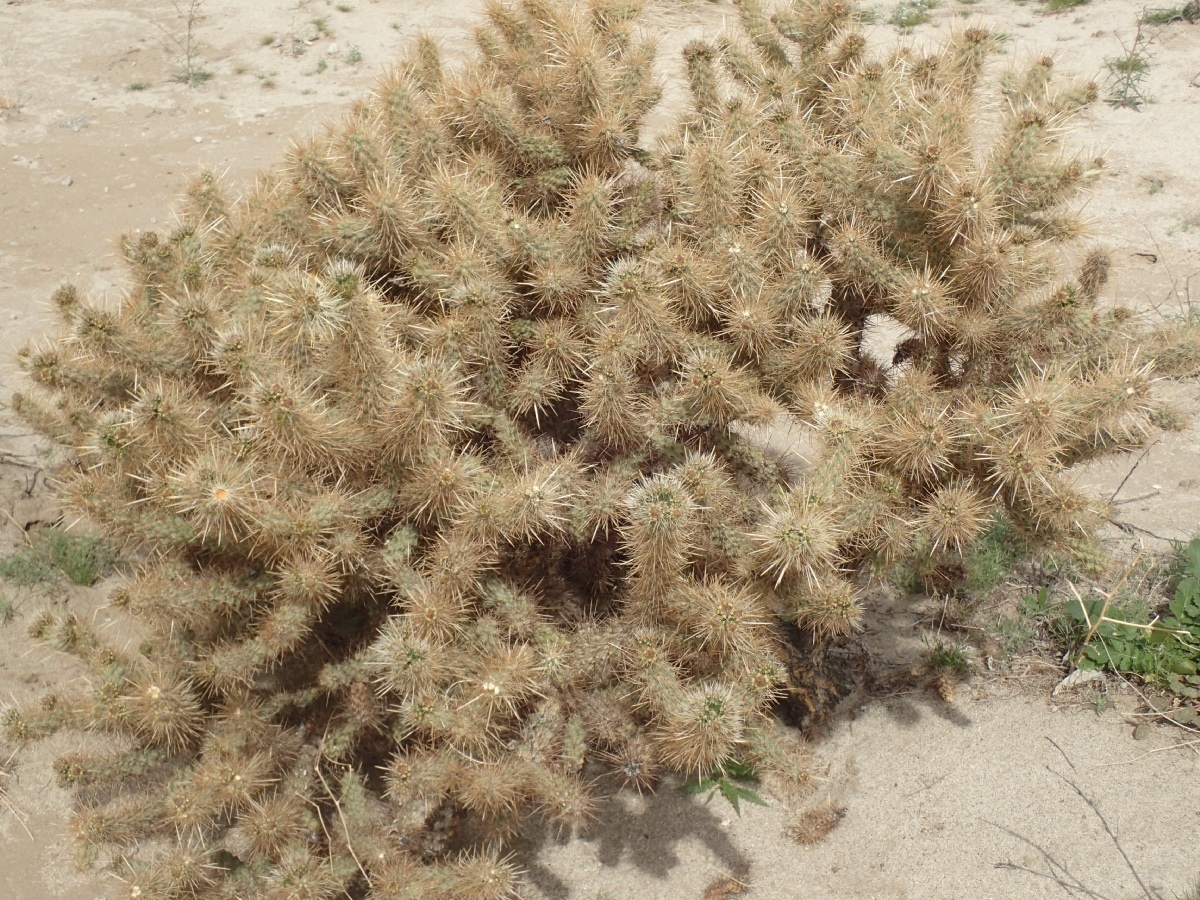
(435,446)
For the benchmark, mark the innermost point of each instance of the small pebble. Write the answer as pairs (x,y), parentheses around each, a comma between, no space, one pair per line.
(198,140)
(1141,732)
(332,50)
(67,182)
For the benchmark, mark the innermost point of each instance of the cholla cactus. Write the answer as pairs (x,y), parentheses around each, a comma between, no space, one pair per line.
(435,445)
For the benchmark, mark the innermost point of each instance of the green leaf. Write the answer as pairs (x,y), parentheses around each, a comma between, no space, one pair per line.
(1181,666)
(1184,716)
(1193,552)
(735,793)
(1188,589)
(733,768)
(699,786)
(1033,604)
(1164,635)
(1086,612)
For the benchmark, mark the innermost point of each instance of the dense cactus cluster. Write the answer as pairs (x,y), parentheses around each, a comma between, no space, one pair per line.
(439,447)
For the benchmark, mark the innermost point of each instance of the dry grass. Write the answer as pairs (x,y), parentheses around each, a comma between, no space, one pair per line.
(813,825)
(724,887)
(5,799)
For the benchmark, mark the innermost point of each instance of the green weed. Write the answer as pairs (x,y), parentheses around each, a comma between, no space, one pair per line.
(82,558)
(1037,620)
(993,556)
(137,85)
(1015,634)
(911,13)
(1127,73)
(185,43)
(1165,15)
(943,657)
(1123,634)
(730,780)
(8,612)
(25,568)
(1060,5)
(1097,700)
(193,77)
(353,56)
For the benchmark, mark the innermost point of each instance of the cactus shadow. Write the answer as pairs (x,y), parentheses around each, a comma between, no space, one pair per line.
(643,832)
(907,713)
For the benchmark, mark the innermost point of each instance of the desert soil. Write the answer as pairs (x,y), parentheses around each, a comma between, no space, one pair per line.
(935,794)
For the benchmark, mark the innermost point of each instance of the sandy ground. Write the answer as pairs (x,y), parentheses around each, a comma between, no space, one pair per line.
(934,794)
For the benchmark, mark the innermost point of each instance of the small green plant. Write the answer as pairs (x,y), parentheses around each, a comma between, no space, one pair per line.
(951,658)
(1037,619)
(993,557)
(267,40)
(185,43)
(1060,5)
(1015,634)
(344,7)
(353,56)
(8,611)
(1161,647)
(82,558)
(137,85)
(322,26)
(1165,15)
(911,13)
(730,780)
(1127,73)
(25,568)
(1037,603)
